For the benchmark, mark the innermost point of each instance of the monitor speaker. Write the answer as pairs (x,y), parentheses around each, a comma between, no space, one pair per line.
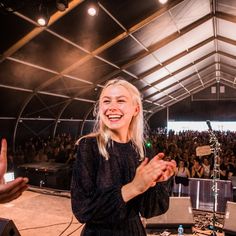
(230,216)
(179,213)
(8,228)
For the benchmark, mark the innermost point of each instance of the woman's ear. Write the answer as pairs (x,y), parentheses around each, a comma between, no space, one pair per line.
(137,110)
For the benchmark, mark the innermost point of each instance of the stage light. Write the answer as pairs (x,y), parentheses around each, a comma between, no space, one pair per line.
(148,144)
(93,8)
(62,5)
(9,176)
(163,1)
(43,16)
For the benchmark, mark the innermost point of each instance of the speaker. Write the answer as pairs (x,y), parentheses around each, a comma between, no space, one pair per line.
(230,215)
(8,228)
(179,213)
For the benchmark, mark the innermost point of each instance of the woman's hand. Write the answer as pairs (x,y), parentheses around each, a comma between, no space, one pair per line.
(147,175)
(3,160)
(13,189)
(168,167)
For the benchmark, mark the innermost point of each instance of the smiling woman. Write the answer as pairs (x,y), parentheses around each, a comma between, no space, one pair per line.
(113,183)
(117,109)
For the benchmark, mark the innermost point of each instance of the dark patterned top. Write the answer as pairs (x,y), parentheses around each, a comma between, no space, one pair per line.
(96,191)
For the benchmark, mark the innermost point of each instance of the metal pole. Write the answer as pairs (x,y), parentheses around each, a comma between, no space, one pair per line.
(215,145)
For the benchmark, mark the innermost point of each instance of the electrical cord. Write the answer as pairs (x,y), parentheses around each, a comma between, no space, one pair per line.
(67,227)
(75,230)
(44,226)
(58,193)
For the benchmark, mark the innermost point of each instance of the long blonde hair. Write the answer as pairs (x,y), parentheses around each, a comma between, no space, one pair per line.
(136,128)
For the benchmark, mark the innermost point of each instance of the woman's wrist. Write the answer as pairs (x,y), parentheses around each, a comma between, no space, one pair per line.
(129,191)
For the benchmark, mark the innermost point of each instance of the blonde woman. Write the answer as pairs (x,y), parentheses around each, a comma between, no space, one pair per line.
(113,183)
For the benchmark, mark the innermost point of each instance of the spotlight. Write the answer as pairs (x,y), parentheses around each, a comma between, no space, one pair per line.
(93,8)
(163,1)
(43,16)
(62,5)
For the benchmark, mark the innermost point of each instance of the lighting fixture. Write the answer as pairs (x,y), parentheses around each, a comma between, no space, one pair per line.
(163,1)
(93,8)
(43,16)
(62,5)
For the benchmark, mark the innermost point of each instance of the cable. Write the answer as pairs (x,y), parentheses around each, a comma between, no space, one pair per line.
(75,230)
(67,227)
(45,226)
(58,193)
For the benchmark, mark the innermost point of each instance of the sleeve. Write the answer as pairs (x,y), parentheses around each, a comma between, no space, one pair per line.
(89,204)
(155,201)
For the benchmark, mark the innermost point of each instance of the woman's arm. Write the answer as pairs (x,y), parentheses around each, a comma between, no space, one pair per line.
(187,172)
(155,201)
(153,182)
(147,175)
(89,202)
(201,172)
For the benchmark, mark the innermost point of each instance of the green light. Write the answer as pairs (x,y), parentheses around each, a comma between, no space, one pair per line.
(148,144)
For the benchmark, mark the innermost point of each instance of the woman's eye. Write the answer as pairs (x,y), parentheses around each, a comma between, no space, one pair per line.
(121,101)
(106,101)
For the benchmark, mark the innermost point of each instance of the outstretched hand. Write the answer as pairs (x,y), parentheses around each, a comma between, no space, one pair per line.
(3,160)
(13,189)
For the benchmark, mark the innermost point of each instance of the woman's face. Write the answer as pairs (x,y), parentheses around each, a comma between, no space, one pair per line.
(181,163)
(196,163)
(205,161)
(116,108)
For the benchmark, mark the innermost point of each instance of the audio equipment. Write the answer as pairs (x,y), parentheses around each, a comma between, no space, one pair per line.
(8,228)
(179,213)
(229,222)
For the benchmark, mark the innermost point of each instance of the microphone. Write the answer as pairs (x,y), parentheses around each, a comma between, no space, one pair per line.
(209,124)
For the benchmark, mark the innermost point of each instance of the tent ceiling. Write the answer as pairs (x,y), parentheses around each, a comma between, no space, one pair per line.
(169,52)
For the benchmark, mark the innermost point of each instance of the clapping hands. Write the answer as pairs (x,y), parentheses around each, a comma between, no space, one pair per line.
(153,171)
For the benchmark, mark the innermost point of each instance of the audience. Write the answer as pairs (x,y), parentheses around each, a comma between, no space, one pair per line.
(60,149)
(197,169)
(207,168)
(182,146)
(179,146)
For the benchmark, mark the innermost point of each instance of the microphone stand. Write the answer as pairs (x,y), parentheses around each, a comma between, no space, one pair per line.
(215,145)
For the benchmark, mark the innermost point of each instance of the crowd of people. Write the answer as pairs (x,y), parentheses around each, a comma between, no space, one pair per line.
(182,147)
(60,149)
(178,146)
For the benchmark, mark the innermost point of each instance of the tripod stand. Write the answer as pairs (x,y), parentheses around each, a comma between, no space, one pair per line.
(215,146)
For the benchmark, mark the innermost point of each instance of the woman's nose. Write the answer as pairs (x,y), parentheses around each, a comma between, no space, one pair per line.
(112,106)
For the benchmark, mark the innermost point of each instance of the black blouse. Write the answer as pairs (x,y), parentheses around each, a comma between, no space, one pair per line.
(96,191)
